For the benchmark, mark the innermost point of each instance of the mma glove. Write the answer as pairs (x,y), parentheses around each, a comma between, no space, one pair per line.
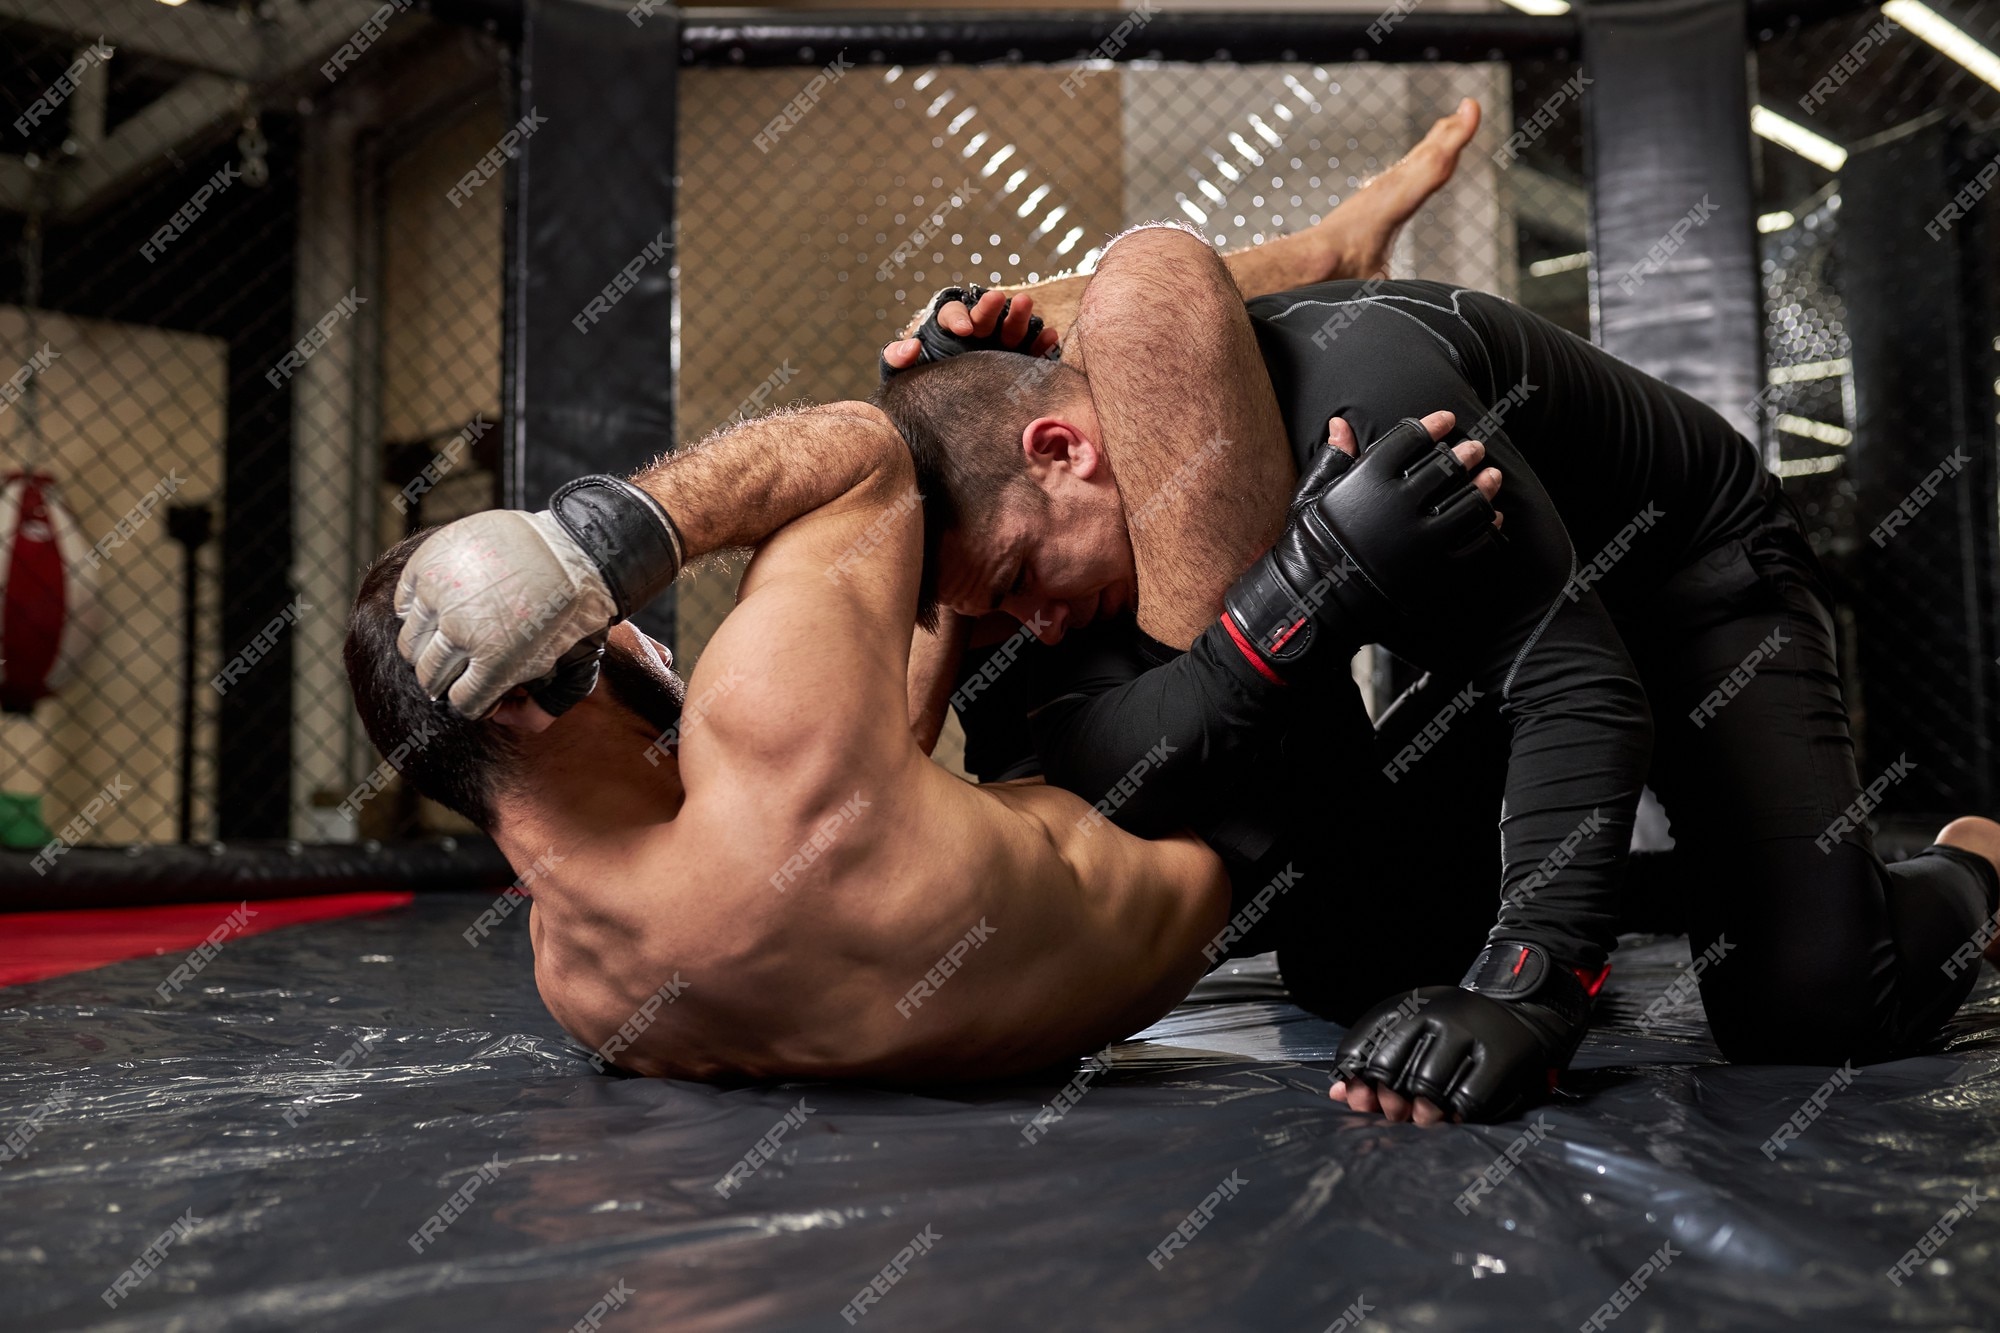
(1365,539)
(1485,1049)
(505,598)
(935,342)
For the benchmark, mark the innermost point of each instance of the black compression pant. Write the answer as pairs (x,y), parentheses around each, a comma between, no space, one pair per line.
(1822,952)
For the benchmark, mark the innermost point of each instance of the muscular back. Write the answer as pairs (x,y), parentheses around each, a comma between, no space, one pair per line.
(836,904)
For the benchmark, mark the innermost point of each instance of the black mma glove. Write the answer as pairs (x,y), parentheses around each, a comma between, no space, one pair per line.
(1485,1049)
(936,342)
(1401,521)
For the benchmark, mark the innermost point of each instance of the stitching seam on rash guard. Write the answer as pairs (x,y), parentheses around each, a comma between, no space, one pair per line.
(1507,686)
(1383,301)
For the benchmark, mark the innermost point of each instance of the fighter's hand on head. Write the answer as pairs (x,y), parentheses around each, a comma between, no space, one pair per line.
(970,320)
(506,598)
(1367,540)
(1483,1050)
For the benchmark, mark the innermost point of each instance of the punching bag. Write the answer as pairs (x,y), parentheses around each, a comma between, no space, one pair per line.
(46,591)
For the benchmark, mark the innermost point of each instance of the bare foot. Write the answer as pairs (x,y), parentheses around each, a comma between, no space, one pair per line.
(1361,231)
(1981,837)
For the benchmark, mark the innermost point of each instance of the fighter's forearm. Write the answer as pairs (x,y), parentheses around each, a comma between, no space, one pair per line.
(934,658)
(746,481)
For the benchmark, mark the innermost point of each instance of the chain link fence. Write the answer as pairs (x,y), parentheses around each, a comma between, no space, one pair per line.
(256,335)
(1882,336)
(251,331)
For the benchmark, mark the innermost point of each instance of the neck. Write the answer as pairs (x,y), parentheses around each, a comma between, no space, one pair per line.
(597,773)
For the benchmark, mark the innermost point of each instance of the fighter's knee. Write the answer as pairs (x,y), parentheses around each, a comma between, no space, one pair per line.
(1790,1020)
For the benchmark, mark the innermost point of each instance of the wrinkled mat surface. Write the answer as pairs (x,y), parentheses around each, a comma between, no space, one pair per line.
(595,1183)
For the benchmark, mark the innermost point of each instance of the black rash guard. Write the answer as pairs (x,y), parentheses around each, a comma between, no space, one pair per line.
(1647,479)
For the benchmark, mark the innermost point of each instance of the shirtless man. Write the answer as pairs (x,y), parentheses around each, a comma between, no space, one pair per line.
(786,886)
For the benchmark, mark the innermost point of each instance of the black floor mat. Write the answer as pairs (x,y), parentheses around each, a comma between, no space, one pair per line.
(591,1192)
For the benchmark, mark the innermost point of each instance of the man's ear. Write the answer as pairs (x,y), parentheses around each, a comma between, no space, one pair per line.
(1050,442)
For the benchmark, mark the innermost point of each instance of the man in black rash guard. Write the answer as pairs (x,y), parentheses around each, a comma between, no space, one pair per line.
(1681,550)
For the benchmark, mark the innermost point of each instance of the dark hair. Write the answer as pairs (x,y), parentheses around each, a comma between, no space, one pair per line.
(461,765)
(962,419)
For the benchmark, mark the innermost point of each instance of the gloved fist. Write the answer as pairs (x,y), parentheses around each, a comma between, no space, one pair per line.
(995,327)
(1366,539)
(1483,1050)
(505,598)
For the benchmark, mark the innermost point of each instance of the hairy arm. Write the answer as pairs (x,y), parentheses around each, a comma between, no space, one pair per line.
(1190,422)
(746,481)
